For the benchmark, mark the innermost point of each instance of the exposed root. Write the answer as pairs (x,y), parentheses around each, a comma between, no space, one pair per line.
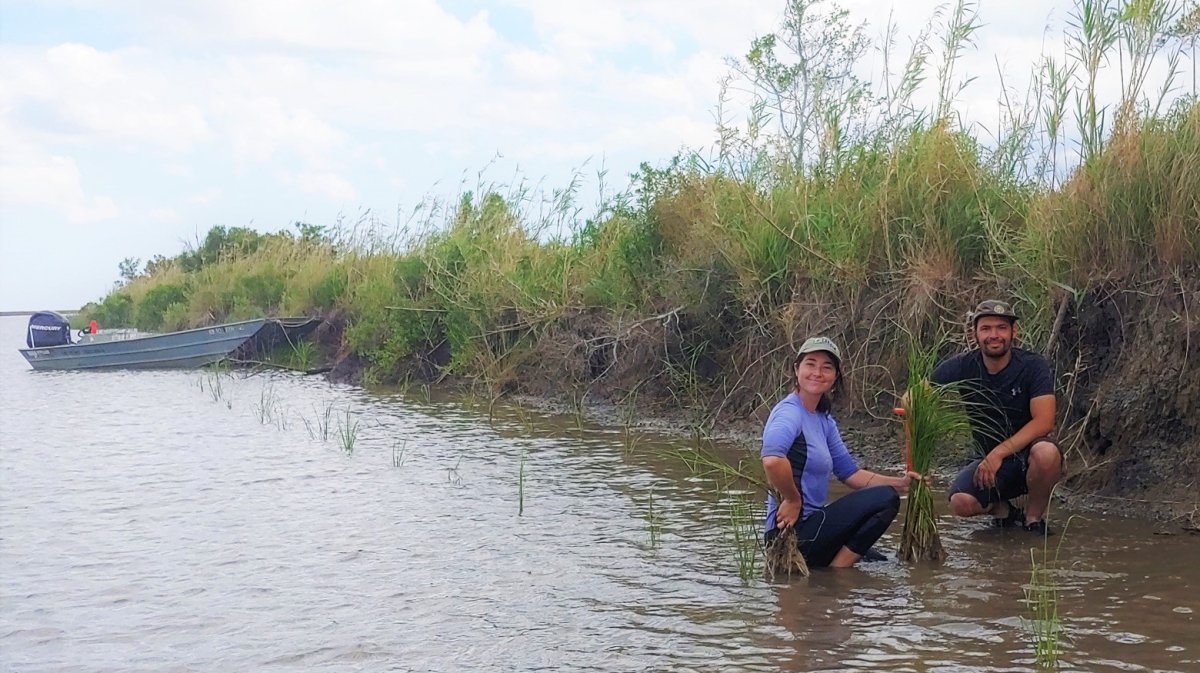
(920,540)
(783,557)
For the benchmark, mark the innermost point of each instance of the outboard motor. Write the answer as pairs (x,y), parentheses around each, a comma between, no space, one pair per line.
(47,328)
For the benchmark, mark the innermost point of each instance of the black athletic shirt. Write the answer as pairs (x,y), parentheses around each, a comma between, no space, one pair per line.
(999,403)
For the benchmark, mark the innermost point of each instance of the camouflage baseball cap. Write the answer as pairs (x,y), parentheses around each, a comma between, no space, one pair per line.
(994,307)
(820,343)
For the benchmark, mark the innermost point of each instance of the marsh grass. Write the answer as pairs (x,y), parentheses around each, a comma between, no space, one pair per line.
(521,487)
(322,424)
(524,418)
(347,430)
(742,532)
(782,558)
(1041,600)
(578,405)
(630,440)
(453,476)
(702,461)
(932,416)
(302,356)
(653,519)
(399,453)
(267,408)
(838,196)
(213,382)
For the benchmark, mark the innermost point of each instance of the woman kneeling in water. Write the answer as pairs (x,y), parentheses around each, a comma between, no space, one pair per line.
(801,448)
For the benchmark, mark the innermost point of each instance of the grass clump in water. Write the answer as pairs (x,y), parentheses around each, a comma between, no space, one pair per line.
(932,414)
(1041,600)
(743,536)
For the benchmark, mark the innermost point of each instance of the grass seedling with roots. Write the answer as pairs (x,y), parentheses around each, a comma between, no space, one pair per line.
(932,414)
(783,558)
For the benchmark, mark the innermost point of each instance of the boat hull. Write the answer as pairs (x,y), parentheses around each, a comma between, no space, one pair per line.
(177,350)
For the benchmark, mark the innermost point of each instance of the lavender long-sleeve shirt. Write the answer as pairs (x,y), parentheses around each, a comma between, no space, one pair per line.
(811,442)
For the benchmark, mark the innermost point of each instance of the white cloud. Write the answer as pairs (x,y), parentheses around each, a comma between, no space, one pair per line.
(326,184)
(32,177)
(204,197)
(528,64)
(77,91)
(163,215)
(259,128)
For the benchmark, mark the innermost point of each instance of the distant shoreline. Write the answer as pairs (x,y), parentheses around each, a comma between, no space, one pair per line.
(6,314)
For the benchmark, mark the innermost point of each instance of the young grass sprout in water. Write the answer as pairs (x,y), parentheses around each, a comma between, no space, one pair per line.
(267,406)
(322,425)
(213,381)
(578,400)
(452,474)
(348,431)
(783,556)
(521,487)
(653,521)
(398,449)
(704,462)
(743,534)
(629,440)
(932,415)
(1041,600)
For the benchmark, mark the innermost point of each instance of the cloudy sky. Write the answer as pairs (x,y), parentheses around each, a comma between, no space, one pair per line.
(129,127)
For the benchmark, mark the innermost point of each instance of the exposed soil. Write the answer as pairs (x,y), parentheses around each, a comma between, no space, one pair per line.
(1127,362)
(1131,366)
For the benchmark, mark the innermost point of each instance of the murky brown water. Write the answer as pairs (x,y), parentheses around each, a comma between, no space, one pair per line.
(147,524)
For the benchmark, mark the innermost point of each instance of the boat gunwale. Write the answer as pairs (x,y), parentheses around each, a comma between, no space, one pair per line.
(149,337)
(156,349)
(133,366)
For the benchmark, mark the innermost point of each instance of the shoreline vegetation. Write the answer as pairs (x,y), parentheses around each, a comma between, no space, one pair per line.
(863,209)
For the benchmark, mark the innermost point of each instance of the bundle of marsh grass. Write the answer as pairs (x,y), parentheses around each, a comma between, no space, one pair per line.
(932,414)
(783,557)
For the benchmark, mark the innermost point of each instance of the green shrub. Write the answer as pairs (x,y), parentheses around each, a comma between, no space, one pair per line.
(115,310)
(152,307)
(263,290)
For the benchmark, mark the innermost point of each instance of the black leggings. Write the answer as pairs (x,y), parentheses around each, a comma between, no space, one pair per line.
(856,521)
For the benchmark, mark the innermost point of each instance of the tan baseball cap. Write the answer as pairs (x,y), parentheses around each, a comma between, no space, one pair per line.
(820,343)
(994,307)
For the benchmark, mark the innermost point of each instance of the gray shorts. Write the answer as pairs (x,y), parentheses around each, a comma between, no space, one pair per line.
(1010,478)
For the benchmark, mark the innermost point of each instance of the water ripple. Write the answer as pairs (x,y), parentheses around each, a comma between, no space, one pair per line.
(150,524)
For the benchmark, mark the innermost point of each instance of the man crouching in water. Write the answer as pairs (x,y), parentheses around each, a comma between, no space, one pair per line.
(1010,396)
